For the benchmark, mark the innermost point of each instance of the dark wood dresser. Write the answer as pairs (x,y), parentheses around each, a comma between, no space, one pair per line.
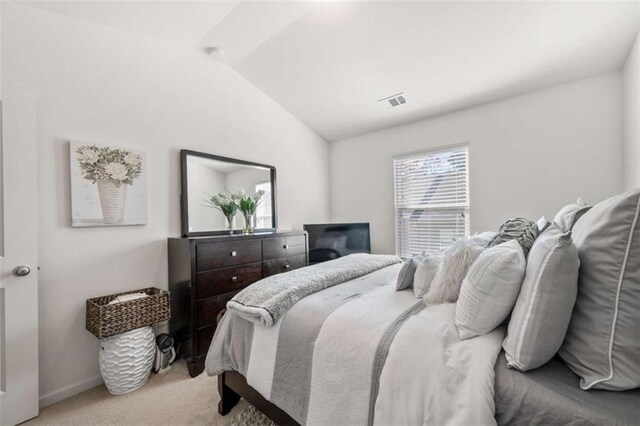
(206,272)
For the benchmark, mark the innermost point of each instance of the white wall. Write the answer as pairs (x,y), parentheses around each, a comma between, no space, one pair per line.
(101,85)
(1,172)
(631,88)
(529,155)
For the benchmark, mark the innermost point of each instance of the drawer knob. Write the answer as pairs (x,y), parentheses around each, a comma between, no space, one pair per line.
(234,254)
(285,246)
(234,279)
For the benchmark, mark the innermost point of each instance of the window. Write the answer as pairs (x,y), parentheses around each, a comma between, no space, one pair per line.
(263,212)
(432,200)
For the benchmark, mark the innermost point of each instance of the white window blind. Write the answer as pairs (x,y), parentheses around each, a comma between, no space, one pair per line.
(263,211)
(432,200)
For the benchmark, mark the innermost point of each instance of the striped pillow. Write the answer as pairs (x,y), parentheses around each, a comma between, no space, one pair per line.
(523,230)
(490,289)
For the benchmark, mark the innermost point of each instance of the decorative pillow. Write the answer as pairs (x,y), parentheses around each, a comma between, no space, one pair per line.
(425,273)
(542,313)
(456,260)
(542,224)
(603,341)
(483,238)
(520,229)
(569,214)
(405,277)
(490,289)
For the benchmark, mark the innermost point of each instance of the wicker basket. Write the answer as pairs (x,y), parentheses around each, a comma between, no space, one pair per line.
(104,320)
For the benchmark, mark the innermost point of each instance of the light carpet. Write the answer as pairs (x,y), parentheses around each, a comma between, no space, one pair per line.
(170,399)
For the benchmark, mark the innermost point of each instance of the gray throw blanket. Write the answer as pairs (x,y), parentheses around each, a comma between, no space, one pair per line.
(267,300)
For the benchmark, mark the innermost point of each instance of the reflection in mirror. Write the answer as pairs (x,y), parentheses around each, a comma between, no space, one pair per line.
(207,177)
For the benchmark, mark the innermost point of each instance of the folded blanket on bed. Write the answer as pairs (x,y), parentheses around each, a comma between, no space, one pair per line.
(267,300)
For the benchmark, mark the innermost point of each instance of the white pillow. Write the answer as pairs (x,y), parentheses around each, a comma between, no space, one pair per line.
(542,312)
(425,273)
(543,224)
(569,214)
(407,273)
(456,261)
(490,289)
(483,238)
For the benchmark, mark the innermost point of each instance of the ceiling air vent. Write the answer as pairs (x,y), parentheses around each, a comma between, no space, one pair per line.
(393,101)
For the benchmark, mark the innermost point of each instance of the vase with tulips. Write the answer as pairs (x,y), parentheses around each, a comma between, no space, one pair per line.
(247,205)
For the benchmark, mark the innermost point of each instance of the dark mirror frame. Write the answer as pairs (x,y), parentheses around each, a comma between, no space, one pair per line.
(184,201)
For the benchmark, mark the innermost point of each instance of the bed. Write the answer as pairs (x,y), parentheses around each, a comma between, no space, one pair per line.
(359,352)
(551,395)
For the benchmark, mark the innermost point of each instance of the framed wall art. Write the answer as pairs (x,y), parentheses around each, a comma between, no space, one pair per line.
(108,185)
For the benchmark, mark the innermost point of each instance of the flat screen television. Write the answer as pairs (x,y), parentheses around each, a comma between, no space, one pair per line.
(328,241)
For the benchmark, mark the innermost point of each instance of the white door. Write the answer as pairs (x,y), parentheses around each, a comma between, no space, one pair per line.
(18,261)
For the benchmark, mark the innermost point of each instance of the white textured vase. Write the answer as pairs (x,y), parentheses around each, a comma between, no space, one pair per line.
(126,360)
(112,201)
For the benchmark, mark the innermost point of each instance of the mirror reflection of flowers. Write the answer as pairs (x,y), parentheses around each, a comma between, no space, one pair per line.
(248,205)
(118,166)
(226,203)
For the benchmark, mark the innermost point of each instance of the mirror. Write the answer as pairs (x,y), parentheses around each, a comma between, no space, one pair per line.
(207,176)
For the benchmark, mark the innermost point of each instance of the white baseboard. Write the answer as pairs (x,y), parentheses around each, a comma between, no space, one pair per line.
(69,391)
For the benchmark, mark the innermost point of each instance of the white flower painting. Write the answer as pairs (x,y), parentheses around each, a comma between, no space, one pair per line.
(108,185)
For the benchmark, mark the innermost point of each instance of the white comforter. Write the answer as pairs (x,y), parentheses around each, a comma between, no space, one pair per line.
(433,378)
(361,353)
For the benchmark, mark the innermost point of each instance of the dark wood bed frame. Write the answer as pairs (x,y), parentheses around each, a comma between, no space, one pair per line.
(232,386)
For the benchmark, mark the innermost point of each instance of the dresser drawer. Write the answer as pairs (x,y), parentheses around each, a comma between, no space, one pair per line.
(274,266)
(219,255)
(223,280)
(273,248)
(209,308)
(296,250)
(299,261)
(277,266)
(296,240)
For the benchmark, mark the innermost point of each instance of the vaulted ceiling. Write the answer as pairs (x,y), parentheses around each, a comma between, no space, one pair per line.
(182,22)
(329,63)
